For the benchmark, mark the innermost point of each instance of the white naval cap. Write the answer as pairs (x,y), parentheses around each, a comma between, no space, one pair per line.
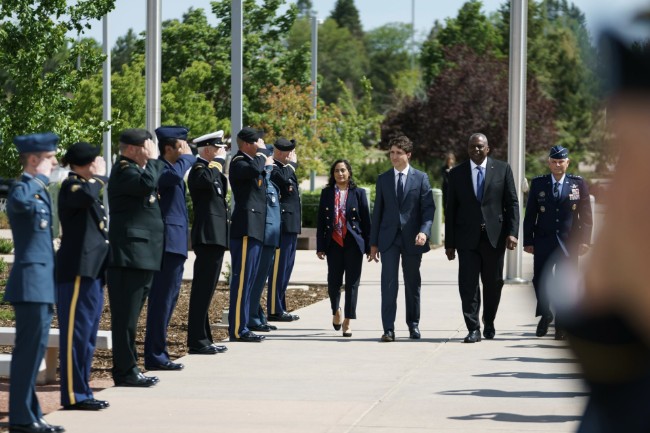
(211,139)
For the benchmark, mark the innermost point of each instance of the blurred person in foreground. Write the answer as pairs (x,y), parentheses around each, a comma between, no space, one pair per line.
(343,237)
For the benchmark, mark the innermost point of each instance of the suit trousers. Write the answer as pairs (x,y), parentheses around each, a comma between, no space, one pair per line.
(256,315)
(544,256)
(487,262)
(160,307)
(245,257)
(280,274)
(390,284)
(344,260)
(207,268)
(79,308)
(32,330)
(127,291)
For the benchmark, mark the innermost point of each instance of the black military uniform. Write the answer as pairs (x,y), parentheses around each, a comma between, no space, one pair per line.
(136,234)
(246,232)
(80,275)
(208,189)
(284,176)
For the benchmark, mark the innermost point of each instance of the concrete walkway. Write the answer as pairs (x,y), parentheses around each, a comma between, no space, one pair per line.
(307,378)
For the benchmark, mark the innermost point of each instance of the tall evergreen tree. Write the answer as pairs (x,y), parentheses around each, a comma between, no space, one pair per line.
(304,8)
(346,15)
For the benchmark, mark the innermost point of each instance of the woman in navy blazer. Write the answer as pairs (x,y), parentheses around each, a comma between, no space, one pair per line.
(343,236)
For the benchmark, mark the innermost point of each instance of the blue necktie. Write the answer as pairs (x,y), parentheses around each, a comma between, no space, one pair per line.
(556,191)
(479,184)
(400,189)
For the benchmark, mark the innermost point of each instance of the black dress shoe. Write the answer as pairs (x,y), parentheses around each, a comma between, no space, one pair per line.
(489,332)
(138,380)
(271,327)
(35,428)
(205,350)
(260,328)
(389,335)
(90,404)
(414,333)
(220,349)
(542,326)
(249,337)
(284,317)
(171,366)
(102,402)
(473,336)
(57,428)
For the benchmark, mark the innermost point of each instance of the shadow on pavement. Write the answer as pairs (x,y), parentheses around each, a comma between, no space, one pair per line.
(527,375)
(514,394)
(514,417)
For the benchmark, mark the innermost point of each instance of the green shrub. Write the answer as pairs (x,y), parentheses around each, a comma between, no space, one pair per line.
(4,221)
(310,200)
(6,246)
(3,267)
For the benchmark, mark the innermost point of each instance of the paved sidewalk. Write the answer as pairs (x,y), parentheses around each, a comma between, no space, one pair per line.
(307,378)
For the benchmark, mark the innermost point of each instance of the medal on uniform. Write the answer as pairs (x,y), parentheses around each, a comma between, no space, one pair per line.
(43,224)
(542,209)
(152,199)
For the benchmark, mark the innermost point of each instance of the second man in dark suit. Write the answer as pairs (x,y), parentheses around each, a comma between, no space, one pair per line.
(401,226)
(481,221)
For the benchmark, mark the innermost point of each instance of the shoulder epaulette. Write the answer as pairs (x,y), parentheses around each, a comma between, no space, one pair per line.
(541,176)
(237,157)
(574,176)
(124,164)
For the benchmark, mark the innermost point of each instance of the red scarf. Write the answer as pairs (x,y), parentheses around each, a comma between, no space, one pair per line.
(340,227)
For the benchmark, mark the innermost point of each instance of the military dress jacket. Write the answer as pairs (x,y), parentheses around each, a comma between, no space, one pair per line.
(171,188)
(136,230)
(208,189)
(249,193)
(284,177)
(568,218)
(30,215)
(84,241)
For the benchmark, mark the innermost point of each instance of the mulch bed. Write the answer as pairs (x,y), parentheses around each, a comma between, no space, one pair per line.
(48,395)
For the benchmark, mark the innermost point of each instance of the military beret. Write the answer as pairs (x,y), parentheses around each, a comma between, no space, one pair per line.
(211,139)
(80,154)
(39,142)
(250,135)
(284,144)
(172,132)
(558,152)
(135,136)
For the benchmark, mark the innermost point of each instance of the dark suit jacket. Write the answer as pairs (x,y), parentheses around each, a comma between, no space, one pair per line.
(569,217)
(284,177)
(171,187)
(209,188)
(464,214)
(30,215)
(414,216)
(136,231)
(84,240)
(357,217)
(247,183)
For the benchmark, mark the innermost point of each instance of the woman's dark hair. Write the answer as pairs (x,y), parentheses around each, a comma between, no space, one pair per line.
(332,181)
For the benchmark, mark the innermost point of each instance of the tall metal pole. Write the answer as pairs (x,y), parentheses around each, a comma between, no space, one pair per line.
(106,98)
(314,85)
(153,68)
(517,121)
(237,68)
(412,34)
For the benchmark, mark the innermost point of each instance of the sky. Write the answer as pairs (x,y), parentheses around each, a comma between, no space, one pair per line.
(374,13)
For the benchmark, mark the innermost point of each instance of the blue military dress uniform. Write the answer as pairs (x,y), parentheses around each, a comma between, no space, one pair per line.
(81,265)
(30,287)
(167,282)
(556,224)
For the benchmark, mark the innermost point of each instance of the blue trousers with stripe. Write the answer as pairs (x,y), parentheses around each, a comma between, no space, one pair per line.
(79,309)
(245,259)
(256,315)
(32,330)
(280,273)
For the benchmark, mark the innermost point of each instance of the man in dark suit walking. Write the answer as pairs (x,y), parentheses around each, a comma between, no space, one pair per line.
(557,226)
(136,234)
(208,188)
(482,220)
(177,157)
(401,227)
(30,287)
(81,272)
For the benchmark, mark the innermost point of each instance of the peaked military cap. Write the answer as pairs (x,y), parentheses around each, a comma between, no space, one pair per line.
(558,152)
(135,136)
(172,132)
(250,135)
(211,139)
(284,144)
(80,154)
(39,142)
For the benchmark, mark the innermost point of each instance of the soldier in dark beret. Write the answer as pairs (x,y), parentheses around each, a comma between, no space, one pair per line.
(284,176)
(136,234)
(31,287)
(81,265)
(558,219)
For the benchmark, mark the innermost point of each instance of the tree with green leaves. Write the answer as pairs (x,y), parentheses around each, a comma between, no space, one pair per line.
(38,99)
(305,8)
(125,49)
(346,15)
